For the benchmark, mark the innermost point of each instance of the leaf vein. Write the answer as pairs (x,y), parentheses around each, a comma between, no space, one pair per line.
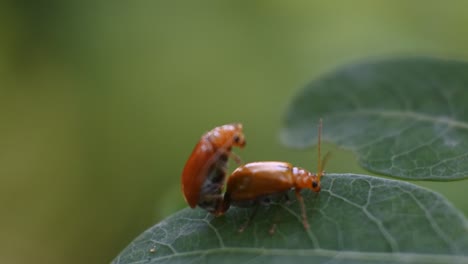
(391,241)
(434,225)
(445,120)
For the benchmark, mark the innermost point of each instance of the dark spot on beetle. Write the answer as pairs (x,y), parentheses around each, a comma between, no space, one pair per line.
(314,184)
(223,158)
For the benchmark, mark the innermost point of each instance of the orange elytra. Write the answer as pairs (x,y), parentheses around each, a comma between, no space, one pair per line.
(204,173)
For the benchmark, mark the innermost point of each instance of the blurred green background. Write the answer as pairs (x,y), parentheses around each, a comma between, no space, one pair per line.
(102,102)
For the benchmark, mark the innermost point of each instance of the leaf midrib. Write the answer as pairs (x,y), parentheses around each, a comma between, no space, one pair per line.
(354,255)
(449,121)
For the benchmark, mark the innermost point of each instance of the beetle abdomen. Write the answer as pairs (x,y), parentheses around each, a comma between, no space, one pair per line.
(210,192)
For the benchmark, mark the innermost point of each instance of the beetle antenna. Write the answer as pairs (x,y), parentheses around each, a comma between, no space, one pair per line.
(321,162)
(319,165)
(324,162)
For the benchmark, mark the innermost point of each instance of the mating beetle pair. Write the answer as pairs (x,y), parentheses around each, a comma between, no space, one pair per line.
(205,172)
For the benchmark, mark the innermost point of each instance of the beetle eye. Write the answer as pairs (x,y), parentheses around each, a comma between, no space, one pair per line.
(236,138)
(314,184)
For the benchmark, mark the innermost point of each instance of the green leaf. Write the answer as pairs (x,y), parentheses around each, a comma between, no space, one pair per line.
(354,219)
(405,118)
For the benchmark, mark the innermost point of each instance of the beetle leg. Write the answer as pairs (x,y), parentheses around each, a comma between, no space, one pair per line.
(286,198)
(272,229)
(254,212)
(223,205)
(275,218)
(236,158)
(303,211)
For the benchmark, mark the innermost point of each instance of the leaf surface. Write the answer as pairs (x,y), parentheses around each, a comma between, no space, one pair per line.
(406,118)
(354,219)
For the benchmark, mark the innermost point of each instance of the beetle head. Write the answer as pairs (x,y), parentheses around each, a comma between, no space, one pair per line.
(228,136)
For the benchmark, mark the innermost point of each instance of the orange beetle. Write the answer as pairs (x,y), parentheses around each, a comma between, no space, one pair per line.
(257,182)
(205,171)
